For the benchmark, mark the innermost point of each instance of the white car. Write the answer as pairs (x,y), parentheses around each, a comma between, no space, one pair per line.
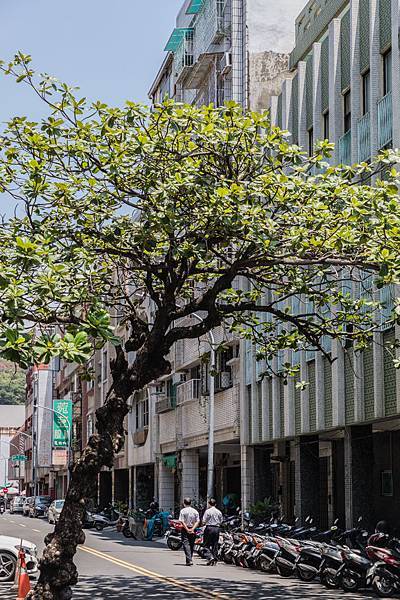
(9,548)
(54,511)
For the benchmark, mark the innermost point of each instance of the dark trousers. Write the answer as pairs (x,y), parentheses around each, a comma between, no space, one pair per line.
(188,540)
(211,537)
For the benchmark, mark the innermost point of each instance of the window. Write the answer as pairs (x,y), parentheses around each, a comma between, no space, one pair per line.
(104,365)
(142,413)
(326,125)
(366,93)
(90,426)
(310,141)
(347,111)
(387,72)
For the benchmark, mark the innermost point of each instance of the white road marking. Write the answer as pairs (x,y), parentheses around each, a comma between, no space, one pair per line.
(20,524)
(11,521)
(37,530)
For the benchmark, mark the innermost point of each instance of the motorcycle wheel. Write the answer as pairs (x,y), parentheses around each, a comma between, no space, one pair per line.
(283,572)
(305,574)
(227,558)
(349,582)
(126,532)
(328,580)
(383,587)
(98,526)
(174,544)
(264,564)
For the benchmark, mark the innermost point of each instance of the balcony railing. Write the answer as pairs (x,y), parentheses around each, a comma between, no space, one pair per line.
(209,26)
(188,391)
(345,148)
(385,120)
(183,56)
(364,138)
(164,404)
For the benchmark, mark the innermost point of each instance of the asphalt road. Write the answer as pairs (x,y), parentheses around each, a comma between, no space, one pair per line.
(113,568)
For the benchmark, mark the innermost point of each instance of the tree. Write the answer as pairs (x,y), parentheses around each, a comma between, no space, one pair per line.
(157,213)
(12,384)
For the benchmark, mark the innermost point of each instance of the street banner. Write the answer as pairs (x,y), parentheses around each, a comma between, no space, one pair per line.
(62,424)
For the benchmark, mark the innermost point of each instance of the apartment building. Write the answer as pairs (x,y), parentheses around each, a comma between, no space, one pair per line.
(332,449)
(11,419)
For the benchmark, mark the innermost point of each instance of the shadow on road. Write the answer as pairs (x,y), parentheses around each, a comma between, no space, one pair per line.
(118,588)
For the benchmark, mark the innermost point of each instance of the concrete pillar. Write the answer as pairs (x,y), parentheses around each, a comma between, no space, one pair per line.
(335,92)
(266,407)
(304,395)
(286,101)
(379,394)
(320,391)
(358,473)
(289,391)
(338,385)
(355,77)
(262,473)
(359,412)
(307,478)
(317,98)
(276,403)
(274,110)
(190,473)
(247,475)
(166,480)
(396,72)
(375,70)
(301,77)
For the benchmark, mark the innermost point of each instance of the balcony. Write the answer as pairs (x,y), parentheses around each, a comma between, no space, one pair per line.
(385,121)
(183,56)
(364,138)
(345,148)
(209,33)
(188,391)
(164,405)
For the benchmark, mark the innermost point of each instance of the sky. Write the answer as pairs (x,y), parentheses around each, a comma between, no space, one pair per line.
(111,49)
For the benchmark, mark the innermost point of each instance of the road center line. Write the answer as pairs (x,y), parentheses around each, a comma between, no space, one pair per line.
(20,524)
(152,575)
(37,530)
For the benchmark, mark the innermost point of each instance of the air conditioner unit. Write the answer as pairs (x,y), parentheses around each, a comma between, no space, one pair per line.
(226,63)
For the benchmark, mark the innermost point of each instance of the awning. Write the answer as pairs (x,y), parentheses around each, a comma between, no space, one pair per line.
(169,460)
(194,7)
(176,38)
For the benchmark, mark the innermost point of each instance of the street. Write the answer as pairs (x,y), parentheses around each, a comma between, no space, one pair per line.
(114,568)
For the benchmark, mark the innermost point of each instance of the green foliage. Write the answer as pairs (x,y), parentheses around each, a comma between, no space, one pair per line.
(263,510)
(12,384)
(175,204)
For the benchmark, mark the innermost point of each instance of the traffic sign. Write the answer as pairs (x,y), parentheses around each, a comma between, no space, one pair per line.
(18,457)
(62,420)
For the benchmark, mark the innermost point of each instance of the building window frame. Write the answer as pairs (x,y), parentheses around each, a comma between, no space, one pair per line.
(366,92)
(325,124)
(387,72)
(347,111)
(310,133)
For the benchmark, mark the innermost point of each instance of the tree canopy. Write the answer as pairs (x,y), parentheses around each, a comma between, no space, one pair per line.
(155,215)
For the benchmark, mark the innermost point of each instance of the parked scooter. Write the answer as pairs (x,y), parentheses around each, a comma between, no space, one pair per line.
(384,575)
(108,517)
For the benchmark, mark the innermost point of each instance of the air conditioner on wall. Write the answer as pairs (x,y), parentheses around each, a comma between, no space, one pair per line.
(226,63)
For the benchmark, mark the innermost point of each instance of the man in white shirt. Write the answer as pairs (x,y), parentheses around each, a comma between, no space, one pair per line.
(190,519)
(212,519)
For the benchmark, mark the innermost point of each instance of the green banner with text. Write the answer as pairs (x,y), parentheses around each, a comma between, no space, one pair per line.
(62,422)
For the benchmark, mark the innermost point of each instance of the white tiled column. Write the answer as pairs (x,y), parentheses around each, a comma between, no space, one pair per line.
(355,77)
(359,412)
(247,476)
(335,96)
(266,408)
(166,496)
(286,100)
(301,77)
(338,387)
(320,391)
(289,401)
(190,473)
(276,404)
(375,70)
(274,110)
(304,395)
(317,98)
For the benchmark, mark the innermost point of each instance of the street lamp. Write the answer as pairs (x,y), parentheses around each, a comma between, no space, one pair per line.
(62,416)
(211,415)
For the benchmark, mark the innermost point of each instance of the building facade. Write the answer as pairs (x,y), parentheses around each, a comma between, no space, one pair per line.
(11,419)
(332,449)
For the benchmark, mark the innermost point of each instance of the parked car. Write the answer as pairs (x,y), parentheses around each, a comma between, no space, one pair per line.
(39,506)
(9,548)
(17,504)
(25,506)
(54,511)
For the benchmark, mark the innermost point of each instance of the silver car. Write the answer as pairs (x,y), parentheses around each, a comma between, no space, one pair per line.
(17,504)
(54,511)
